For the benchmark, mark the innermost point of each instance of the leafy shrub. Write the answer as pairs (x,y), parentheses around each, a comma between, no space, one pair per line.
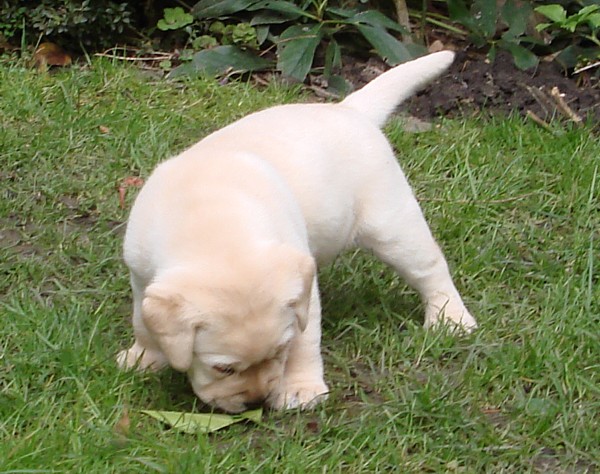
(573,32)
(570,35)
(76,24)
(497,25)
(175,18)
(300,32)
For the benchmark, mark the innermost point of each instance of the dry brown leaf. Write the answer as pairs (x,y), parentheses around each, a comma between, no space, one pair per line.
(5,45)
(50,54)
(122,425)
(436,46)
(128,182)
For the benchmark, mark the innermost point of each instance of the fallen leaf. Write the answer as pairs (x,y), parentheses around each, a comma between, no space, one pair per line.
(134,181)
(122,425)
(436,46)
(202,422)
(104,129)
(50,54)
(5,45)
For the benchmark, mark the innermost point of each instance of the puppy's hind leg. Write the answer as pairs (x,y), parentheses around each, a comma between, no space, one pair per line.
(144,354)
(392,225)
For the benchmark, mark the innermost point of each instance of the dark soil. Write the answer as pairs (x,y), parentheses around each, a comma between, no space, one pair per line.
(474,85)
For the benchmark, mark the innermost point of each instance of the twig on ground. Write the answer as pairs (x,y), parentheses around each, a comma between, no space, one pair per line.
(320,92)
(564,107)
(585,68)
(111,54)
(542,99)
(551,103)
(542,123)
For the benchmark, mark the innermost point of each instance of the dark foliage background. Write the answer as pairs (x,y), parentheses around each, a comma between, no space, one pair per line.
(565,30)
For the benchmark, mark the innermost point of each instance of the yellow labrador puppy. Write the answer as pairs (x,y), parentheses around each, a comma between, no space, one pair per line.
(222,243)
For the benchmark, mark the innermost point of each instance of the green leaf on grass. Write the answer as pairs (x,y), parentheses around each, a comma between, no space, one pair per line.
(220,60)
(202,422)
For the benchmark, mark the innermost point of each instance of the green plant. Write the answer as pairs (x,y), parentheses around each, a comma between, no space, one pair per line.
(301,33)
(573,30)
(242,34)
(571,36)
(174,19)
(497,25)
(587,16)
(89,23)
(12,17)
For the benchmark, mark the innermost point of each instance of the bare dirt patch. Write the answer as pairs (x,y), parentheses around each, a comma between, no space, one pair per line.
(474,85)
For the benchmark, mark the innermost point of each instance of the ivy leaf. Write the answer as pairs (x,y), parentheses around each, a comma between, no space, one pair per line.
(220,60)
(458,11)
(282,7)
(554,12)
(524,59)
(333,57)
(193,423)
(175,18)
(388,47)
(338,85)
(377,19)
(486,11)
(296,50)
(262,33)
(579,18)
(220,8)
(594,20)
(271,18)
(516,15)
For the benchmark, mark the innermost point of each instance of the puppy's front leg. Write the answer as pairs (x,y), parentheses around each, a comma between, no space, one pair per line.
(303,385)
(144,354)
(141,358)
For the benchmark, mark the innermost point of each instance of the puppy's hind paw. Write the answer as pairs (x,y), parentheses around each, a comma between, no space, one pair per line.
(456,319)
(299,395)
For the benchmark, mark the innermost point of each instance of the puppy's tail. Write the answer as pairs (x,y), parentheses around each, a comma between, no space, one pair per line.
(378,99)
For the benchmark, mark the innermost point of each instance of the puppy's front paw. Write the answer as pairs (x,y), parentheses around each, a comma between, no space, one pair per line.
(302,395)
(451,314)
(141,359)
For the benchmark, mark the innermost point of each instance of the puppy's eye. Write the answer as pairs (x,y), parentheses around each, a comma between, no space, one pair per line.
(224,369)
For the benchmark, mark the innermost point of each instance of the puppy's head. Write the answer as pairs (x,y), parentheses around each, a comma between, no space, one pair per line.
(230,326)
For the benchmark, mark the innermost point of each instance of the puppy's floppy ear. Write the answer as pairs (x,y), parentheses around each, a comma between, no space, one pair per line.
(296,272)
(164,315)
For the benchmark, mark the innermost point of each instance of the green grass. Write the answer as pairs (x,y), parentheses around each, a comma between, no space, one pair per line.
(515,208)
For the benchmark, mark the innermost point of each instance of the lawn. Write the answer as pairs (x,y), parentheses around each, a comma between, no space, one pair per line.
(515,207)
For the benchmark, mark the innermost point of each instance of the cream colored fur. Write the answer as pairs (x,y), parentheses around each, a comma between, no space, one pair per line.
(223,240)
